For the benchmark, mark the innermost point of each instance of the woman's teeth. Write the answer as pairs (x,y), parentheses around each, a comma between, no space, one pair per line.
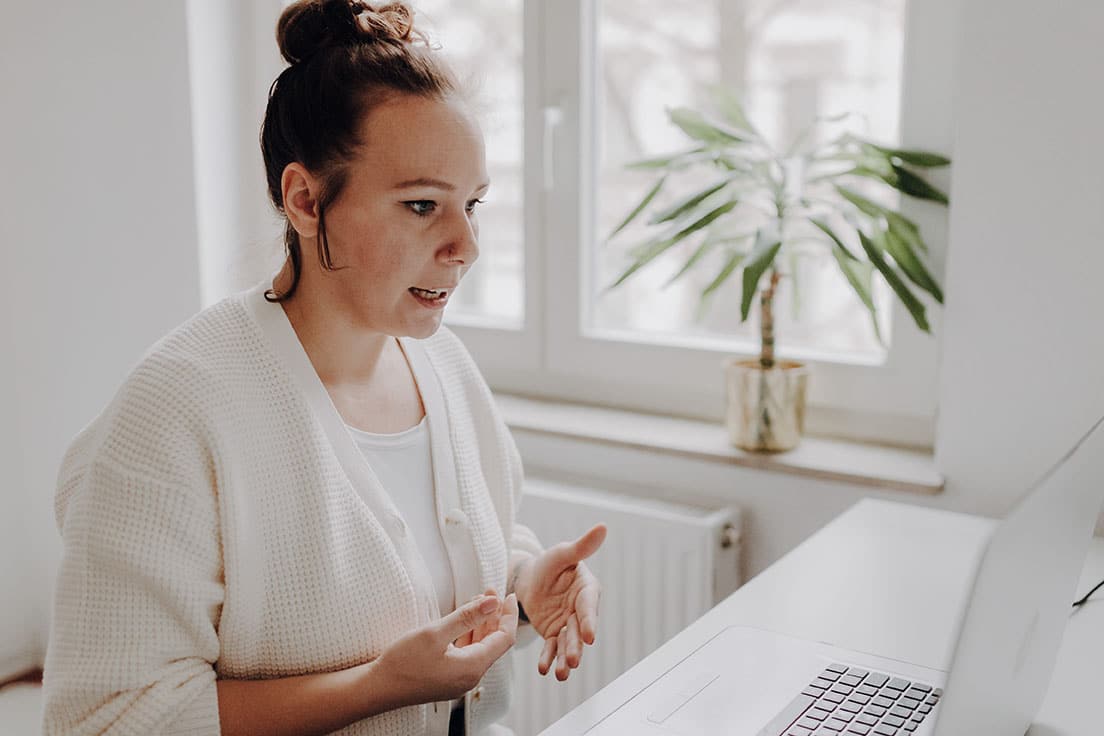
(428,293)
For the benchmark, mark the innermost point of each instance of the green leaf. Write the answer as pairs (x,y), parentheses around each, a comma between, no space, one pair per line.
(708,244)
(901,226)
(758,261)
(831,234)
(923,159)
(906,229)
(730,265)
(916,309)
(902,180)
(695,125)
(656,248)
(908,262)
(685,158)
(914,185)
(730,106)
(688,204)
(865,205)
(640,207)
(705,247)
(860,275)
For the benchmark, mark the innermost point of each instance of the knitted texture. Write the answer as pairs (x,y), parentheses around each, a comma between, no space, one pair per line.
(209,531)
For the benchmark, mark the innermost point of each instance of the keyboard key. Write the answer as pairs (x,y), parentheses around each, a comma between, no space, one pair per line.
(877,679)
(922,687)
(858,728)
(822,683)
(866,689)
(859,698)
(937,692)
(875,710)
(842,689)
(851,706)
(866,719)
(885,730)
(823,706)
(835,724)
(893,720)
(909,727)
(900,712)
(808,723)
(839,669)
(910,703)
(888,692)
(850,679)
(812,692)
(816,715)
(924,709)
(858,672)
(832,698)
(897,683)
(882,702)
(915,692)
(931,700)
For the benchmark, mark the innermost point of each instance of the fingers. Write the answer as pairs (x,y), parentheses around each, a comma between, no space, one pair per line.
(586,608)
(561,654)
(574,643)
(489,624)
(548,653)
(497,642)
(589,543)
(468,617)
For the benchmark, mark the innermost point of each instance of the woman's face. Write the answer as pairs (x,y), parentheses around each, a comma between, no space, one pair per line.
(406,218)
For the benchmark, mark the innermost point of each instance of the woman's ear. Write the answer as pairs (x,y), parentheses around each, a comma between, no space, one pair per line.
(301,190)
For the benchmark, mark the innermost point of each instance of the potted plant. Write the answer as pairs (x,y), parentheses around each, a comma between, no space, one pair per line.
(759,203)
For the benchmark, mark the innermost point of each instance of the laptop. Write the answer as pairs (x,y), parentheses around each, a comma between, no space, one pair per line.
(753,682)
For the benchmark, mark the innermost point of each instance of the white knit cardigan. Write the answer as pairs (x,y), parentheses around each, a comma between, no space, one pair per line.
(212,528)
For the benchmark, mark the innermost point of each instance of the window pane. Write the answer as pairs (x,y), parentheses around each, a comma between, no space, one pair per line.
(483,42)
(790,61)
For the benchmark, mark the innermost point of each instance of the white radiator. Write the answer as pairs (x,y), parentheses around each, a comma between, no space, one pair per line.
(661,567)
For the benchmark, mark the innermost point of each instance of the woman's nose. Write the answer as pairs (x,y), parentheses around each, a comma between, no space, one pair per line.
(463,245)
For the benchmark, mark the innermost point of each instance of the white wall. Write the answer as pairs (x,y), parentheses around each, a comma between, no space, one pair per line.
(99,235)
(231,47)
(1023,346)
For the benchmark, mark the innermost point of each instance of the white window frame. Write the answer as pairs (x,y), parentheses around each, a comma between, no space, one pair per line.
(550,355)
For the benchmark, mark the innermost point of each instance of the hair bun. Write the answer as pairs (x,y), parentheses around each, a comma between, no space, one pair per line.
(308,26)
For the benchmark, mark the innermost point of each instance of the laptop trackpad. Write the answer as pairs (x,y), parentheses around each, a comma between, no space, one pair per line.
(735,684)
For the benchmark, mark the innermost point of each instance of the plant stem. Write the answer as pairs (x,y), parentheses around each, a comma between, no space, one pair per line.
(766,321)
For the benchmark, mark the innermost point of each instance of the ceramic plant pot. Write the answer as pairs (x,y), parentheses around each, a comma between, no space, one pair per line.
(766,407)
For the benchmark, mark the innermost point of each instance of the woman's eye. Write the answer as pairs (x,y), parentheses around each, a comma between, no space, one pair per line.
(421,207)
(473,203)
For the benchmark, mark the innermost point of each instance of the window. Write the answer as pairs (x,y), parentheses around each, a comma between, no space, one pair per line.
(483,42)
(598,76)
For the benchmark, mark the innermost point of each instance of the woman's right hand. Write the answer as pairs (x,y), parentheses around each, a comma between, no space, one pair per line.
(426,666)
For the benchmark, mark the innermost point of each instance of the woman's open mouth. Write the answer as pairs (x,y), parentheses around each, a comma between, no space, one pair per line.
(432,298)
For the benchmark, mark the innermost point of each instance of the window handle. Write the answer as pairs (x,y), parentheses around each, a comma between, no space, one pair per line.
(553,116)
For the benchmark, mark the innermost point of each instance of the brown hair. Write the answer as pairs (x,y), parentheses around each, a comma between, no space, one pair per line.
(346,57)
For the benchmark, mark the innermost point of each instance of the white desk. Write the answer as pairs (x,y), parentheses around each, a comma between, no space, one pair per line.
(866,554)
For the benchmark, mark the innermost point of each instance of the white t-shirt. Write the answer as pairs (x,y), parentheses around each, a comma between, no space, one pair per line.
(404,466)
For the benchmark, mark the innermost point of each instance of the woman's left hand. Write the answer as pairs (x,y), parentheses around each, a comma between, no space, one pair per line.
(560,597)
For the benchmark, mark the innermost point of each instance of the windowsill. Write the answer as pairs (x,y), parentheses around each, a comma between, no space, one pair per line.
(875,466)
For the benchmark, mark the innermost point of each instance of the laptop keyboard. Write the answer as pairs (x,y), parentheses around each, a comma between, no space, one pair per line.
(849,701)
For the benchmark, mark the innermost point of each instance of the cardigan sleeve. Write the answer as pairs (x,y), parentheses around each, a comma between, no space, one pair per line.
(139,592)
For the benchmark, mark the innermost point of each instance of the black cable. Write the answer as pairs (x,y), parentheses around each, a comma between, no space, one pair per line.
(1084,600)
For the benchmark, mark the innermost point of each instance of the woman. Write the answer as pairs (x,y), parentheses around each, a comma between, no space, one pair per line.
(297,514)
